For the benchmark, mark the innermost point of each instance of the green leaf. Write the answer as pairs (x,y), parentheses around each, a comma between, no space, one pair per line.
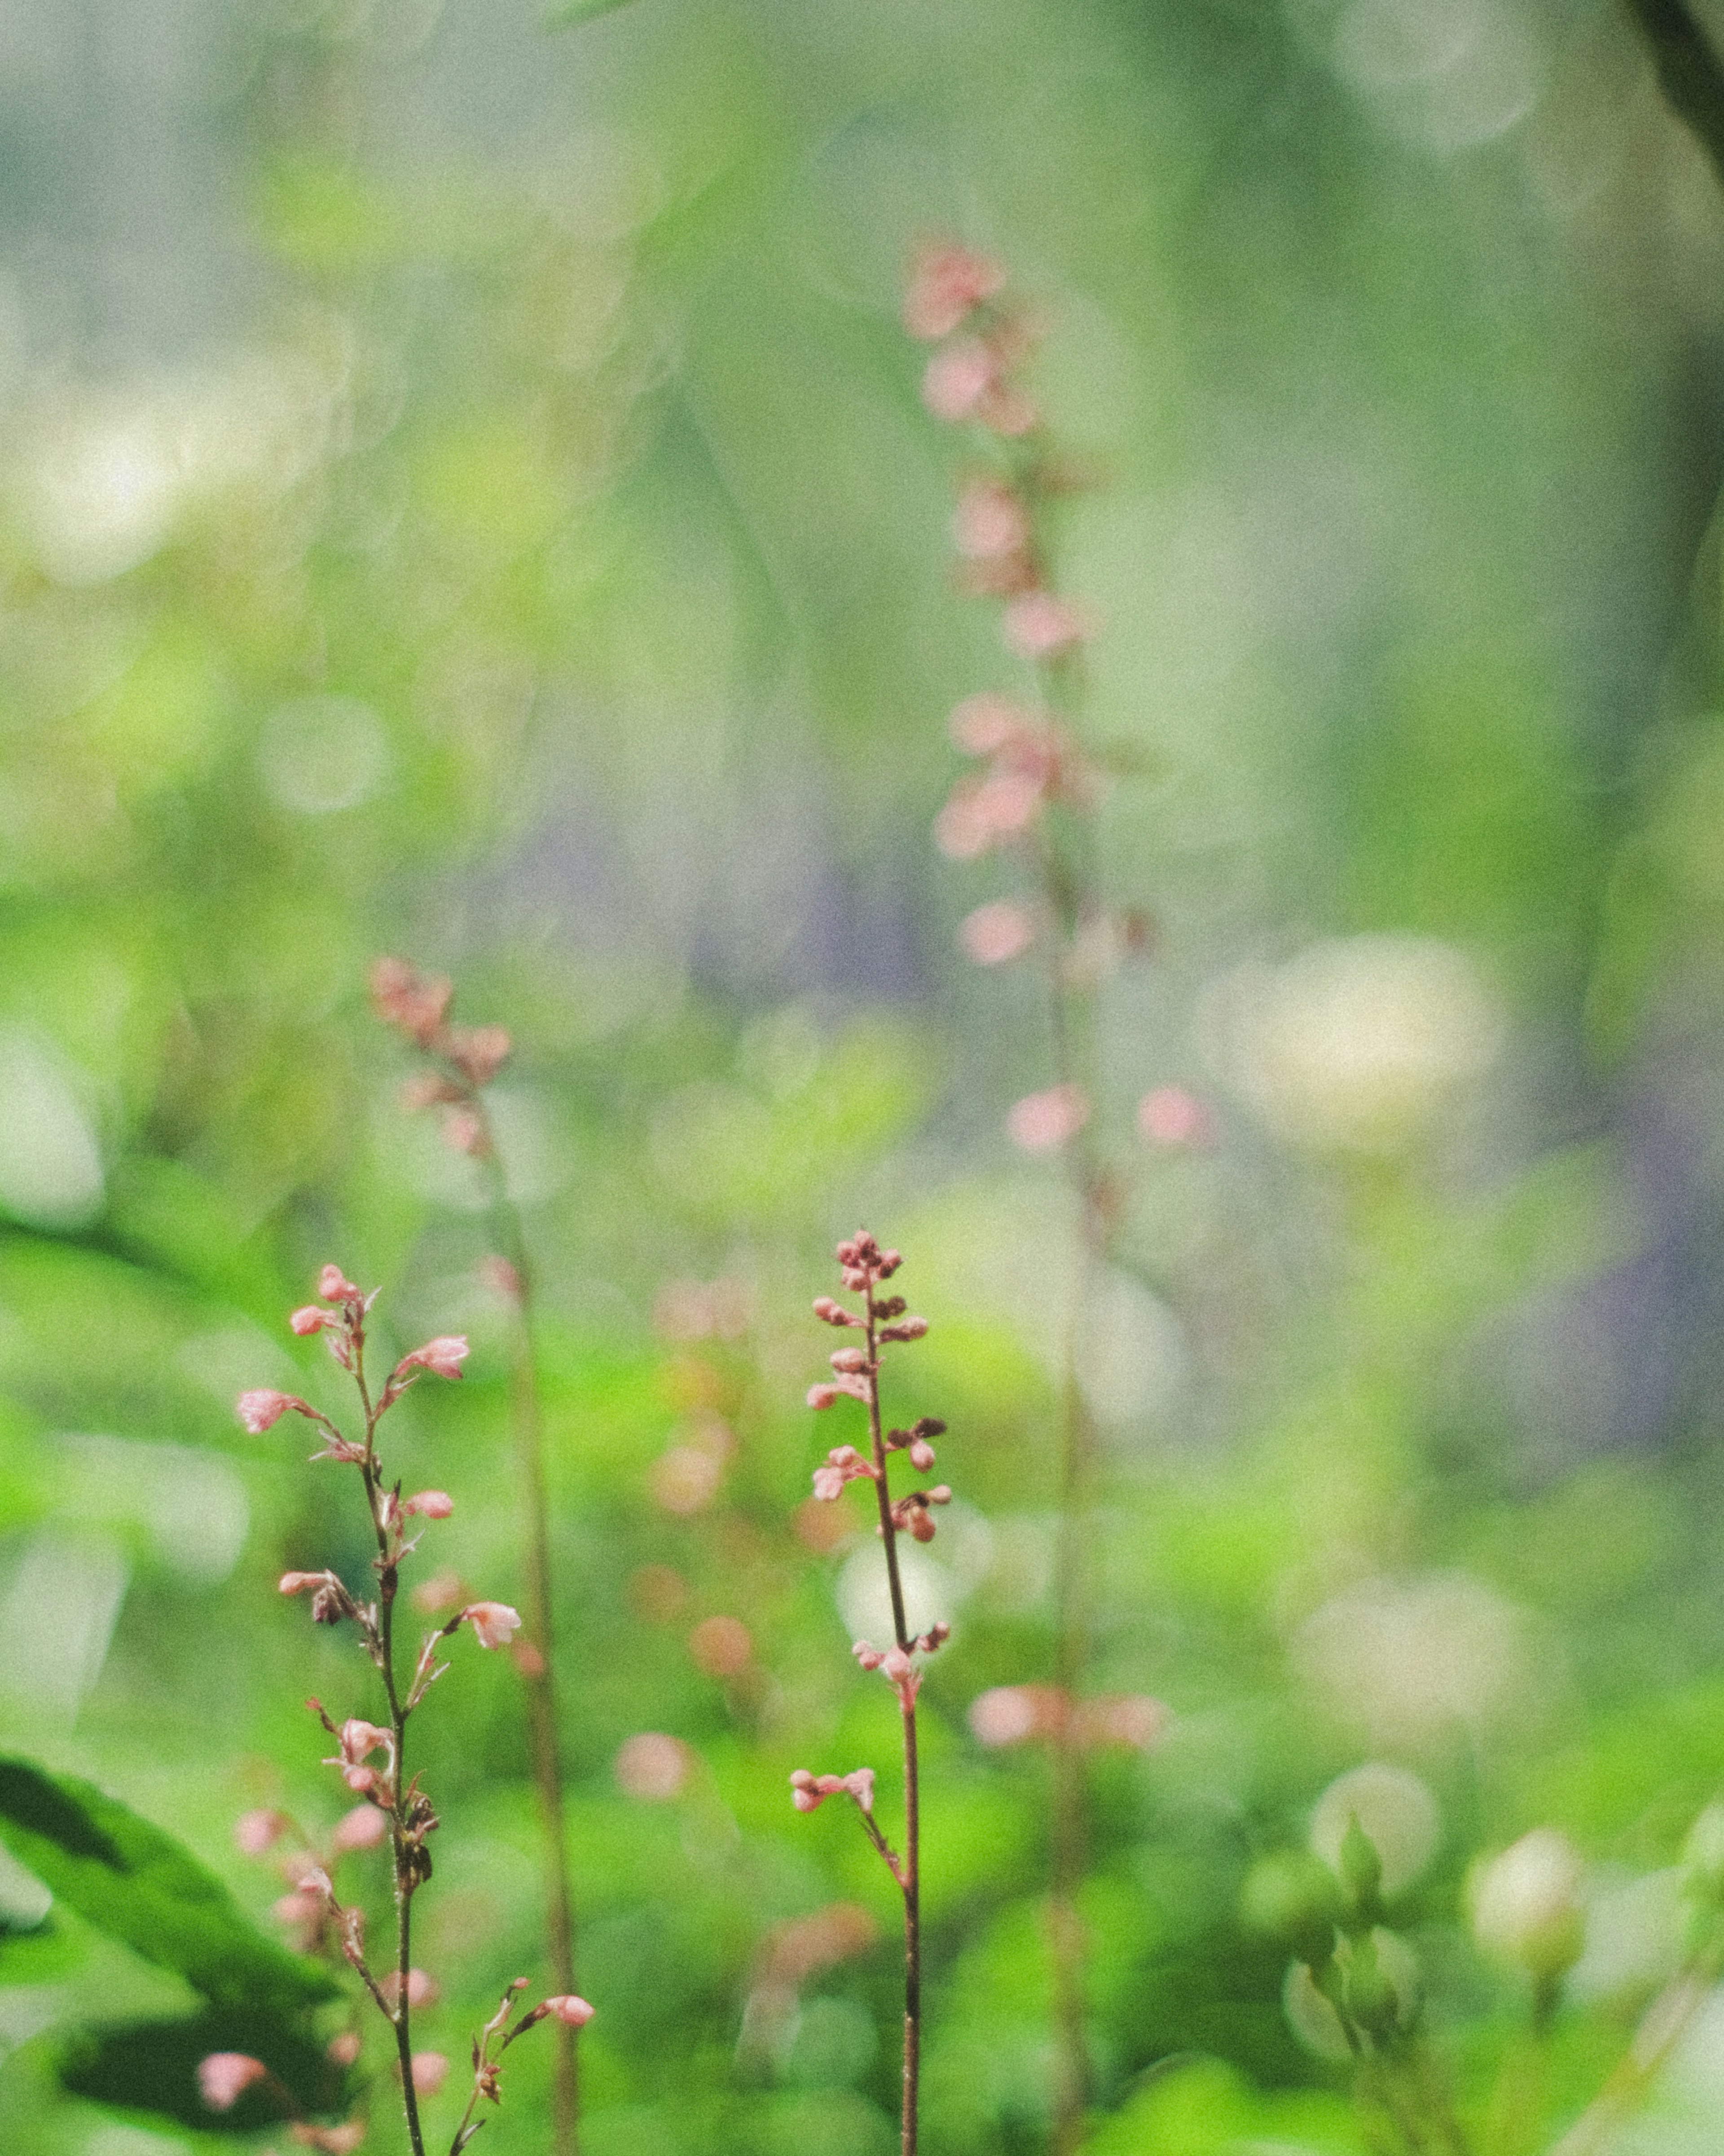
(139,1886)
(571,11)
(150,2068)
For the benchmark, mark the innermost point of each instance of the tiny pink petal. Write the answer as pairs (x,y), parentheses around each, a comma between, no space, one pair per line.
(430,1504)
(570,2010)
(494,1624)
(224,2077)
(308,1320)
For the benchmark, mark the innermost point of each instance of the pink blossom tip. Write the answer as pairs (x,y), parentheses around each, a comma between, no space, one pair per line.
(296,1583)
(870,1658)
(494,1624)
(308,1320)
(1042,1122)
(254,1832)
(224,2077)
(334,1286)
(430,2072)
(479,1052)
(1172,1117)
(822,1396)
(430,1504)
(570,2010)
(946,282)
(263,1409)
(442,1358)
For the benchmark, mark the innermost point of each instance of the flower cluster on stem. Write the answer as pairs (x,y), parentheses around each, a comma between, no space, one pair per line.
(458,1064)
(882,1322)
(370,1757)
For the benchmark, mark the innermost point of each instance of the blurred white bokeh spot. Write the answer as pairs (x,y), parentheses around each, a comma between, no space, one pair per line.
(932,1593)
(1409,1662)
(50,1164)
(318,754)
(1131,1351)
(1396,1812)
(1634,1936)
(191,1504)
(1358,1044)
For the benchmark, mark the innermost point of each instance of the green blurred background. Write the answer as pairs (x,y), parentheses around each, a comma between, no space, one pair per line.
(465,493)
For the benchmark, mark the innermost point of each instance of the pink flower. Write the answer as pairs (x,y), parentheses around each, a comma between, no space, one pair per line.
(1171,1116)
(1042,1122)
(843,1464)
(946,283)
(442,1358)
(652,1767)
(412,1002)
(430,1504)
(990,522)
(494,1624)
(983,725)
(922,1454)
(1038,626)
(224,2077)
(870,1658)
(997,933)
(572,2010)
(334,1286)
(362,1828)
(808,1792)
(958,378)
(358,1740)
(430,2072)
(263,1409)
(310,1319)
(256,1831)
(479,1052)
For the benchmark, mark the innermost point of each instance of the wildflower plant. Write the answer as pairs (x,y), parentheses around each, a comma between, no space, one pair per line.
(882,1322)
(371,1756)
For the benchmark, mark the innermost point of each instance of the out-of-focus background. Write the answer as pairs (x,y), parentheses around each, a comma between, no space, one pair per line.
(465,493)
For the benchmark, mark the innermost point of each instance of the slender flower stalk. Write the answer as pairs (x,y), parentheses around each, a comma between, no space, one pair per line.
(882,1322)
(460,1062)
(1032,796)
(371,1756)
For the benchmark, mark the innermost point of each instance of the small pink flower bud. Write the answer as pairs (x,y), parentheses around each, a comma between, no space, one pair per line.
(494,1624)
(828,1484)
(412,1002)
(946,282)
(990,521)
(906,1328)
(1172,1117)
(296,1583)
(430,2072)
(301,1909)
(345,2048)
(998,932)
(263,1409)
(958,378)
(1038,626)
(362,1828)
(479,1052)
(1041,1123)
(224,2077)
(256,1831)
(310,1319)
(895,1664)
(860,1785)
(442,1358)
(922,1527)
(804,1794)
(849,1358)
(922,1454)
(870,1658)
(570,2010)
(983,725)
(334,1286)
(430,1504)
(822,1396)
(833,1313)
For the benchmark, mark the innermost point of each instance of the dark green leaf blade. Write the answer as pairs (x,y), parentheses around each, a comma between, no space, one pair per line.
(150,2068)
(139,1886)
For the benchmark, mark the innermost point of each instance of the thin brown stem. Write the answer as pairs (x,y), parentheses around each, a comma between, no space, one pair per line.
(909,1874)
(528,1420)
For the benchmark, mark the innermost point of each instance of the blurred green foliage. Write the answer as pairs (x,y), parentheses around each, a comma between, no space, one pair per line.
(500,526)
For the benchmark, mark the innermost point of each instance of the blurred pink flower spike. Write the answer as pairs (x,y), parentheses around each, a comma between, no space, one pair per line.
(570,2010)
(990,522)
(479,1052)
(263,1409)
(429,1504)
(1042,1122)
(430,2072)
(984,724)
(413,1003)
(947,284)
(998,932)
(957,379)
(441,1358)
(1176,1119)
(494,1624)
(224,2077)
